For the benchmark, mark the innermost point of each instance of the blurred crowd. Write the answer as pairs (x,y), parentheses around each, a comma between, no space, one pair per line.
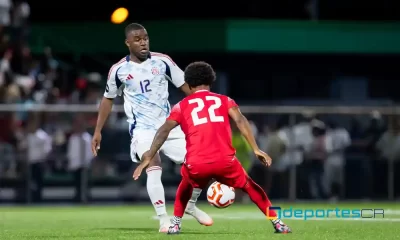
(27,78)
(333,159)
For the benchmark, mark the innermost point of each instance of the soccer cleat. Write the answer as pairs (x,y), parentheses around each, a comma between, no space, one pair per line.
(280,227)
(165,222)
(174,229)
(200,216)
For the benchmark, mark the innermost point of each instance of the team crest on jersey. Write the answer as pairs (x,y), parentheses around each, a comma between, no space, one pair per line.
(155,71)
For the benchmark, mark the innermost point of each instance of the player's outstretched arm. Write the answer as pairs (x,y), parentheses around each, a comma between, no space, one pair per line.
(159,139)
(161,136)
(245,128)
(110,93)
(104,110)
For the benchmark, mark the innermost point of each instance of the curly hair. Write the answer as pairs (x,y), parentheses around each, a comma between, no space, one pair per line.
(199,73)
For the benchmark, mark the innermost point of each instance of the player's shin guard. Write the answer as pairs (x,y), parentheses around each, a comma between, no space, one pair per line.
(155,189)
(259,197)
(183,195)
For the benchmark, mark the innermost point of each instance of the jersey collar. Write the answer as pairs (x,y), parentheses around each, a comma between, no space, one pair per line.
(128,58)
(201,91)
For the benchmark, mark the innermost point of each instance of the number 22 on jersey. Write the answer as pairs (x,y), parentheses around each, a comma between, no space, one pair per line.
(211,110)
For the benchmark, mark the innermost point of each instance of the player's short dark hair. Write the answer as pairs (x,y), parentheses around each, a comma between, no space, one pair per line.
(199,73)
(132,27)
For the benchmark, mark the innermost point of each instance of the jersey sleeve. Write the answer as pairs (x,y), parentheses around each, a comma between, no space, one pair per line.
(176,113)
(175,73)
(231,103)
(111,90)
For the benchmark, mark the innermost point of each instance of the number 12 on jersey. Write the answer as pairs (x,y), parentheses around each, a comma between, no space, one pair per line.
(144,86)
(211,110)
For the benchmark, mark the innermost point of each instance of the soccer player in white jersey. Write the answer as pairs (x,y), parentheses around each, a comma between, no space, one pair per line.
(142,78)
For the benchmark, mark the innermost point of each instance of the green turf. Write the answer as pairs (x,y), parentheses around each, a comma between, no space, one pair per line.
(137,222)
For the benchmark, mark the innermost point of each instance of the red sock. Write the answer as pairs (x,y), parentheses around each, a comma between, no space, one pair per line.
(259,197)
(182,198)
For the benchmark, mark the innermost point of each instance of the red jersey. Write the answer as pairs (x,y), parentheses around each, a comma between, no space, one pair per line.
(203,117)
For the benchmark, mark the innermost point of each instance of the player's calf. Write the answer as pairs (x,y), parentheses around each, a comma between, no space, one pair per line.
(156,192)
(186,198)
(260,198)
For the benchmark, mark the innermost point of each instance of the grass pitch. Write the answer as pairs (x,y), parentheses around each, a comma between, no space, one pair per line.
(235,222)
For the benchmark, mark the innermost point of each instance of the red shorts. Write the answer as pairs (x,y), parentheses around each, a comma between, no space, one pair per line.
(229,172)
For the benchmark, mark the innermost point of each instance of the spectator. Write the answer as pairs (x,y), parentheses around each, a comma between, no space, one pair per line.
(5,9)
(5,68)
(79,155)
(20,15)
(316,152)
(280,147)
(334,165)
(39,145)
(388,148)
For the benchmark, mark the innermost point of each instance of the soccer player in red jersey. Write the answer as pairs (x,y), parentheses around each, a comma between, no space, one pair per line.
(204,118)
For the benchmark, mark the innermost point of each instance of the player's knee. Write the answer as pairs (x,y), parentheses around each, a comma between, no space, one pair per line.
(246,182)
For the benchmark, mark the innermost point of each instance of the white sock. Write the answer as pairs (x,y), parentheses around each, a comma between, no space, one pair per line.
(192,202)
(155,189)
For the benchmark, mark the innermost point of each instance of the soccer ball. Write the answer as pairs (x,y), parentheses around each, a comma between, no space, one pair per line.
(220,195)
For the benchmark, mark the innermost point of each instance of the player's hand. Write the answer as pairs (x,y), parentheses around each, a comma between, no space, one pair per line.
(145,161)
(96,143)
(263,157)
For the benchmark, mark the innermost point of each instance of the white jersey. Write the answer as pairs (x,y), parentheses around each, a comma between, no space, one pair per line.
(145,89)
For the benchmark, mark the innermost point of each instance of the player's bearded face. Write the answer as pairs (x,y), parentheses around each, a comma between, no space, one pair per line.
(138,41)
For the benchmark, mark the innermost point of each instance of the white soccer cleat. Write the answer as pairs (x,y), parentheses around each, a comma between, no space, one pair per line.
(165,223)
(200,216)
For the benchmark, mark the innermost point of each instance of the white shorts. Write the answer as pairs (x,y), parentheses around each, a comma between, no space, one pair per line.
(174,147)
